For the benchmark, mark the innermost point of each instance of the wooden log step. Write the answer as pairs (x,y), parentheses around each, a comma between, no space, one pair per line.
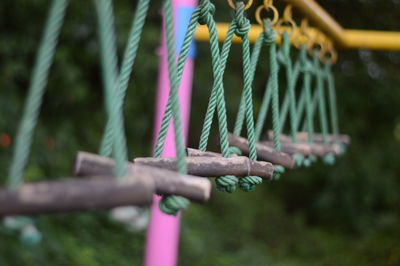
(166,182)
(198,153)
(214,166)
(71,195)
(318,137)
(291,148)
(317,148)
(264,152)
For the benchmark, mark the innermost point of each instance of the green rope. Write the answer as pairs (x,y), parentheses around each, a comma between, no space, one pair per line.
(37,87)
(290,83)
(329,158)
(217,98)
(123,80)
(172,204)
(270,37)
(110,79)
(184,51)
(247,183)
(305,101)
(332,103)
(307,68)
(39,78)
(289,103)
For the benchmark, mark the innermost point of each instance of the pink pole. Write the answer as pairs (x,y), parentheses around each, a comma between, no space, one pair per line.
(163,231)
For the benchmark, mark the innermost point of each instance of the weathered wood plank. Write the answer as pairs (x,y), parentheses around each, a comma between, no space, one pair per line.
(71,195)
(166,182)
(264,152)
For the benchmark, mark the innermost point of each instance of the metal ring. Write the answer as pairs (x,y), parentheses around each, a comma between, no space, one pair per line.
(274,11)
(290,22)
(233,6)
(330,54)
(316,42)
(304,36)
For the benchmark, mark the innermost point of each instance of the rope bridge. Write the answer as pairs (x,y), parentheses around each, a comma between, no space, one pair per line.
(243,160)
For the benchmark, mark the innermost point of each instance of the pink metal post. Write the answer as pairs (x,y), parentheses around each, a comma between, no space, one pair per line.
(163,231)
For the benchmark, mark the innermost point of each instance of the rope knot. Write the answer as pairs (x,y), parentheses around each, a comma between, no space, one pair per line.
(305,63)
(278,170)
(207,10)
(269,33)
(249,183)
(242,23)
(226,183)
(172,204)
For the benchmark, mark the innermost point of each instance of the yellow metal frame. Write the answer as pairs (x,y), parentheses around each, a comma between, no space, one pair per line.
(343,38)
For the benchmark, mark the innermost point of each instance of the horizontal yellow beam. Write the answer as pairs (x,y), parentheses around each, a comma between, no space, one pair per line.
(354,39)
(320,18)
(373,40)
(343,38)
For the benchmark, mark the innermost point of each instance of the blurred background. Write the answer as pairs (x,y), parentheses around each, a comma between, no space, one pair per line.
(346,214)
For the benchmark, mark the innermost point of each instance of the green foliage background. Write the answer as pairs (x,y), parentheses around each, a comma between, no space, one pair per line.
(346,214)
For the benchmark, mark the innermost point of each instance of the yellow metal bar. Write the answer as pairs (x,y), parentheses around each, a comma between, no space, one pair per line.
(345,38)
(374,40)
(321,19)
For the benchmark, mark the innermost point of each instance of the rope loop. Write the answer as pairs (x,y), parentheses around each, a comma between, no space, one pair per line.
(242,23)
(207,10)
(278,170)
(234,151)
(248,183)
(269,33)
(172,204)
(298,159)
(227,183)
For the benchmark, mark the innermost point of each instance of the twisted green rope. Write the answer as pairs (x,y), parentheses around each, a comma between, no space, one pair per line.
(123,79)
(332,102)
(305,99)
(217,98)
(172,204)
(292,74)
(247,183)
(329,158)
(37,87)
(184,51)
(44,59)
(110,82)
(270,37)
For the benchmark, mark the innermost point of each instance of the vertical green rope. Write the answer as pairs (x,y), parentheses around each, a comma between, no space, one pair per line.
(184,51)
(306,65)
(171,204)
(110,79)
(321,98)
(37,87)
(291,83)
(39,78)
(217,98)
(332,98)
(123,80)
(247,183)
(329,158)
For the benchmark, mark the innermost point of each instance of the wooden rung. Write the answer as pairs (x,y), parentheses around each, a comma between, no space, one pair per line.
(291,148)
(214,166)
(264,152)
(318,137)
(166,182)
(317,148)
(71,195)
(198,153)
